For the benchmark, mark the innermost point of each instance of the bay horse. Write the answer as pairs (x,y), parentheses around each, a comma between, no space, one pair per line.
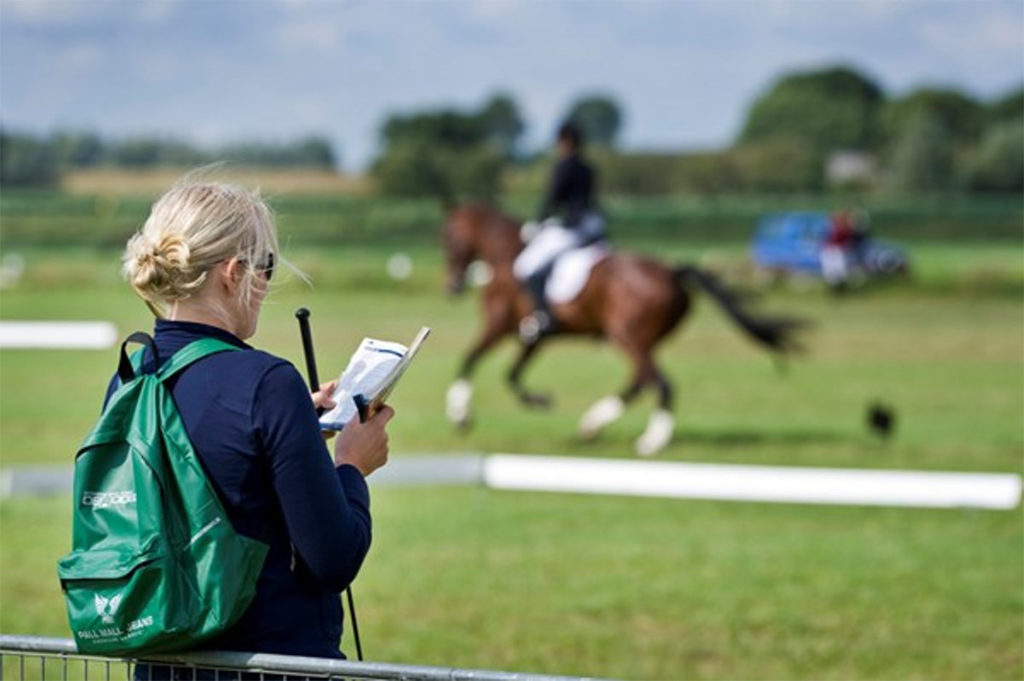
(632,301)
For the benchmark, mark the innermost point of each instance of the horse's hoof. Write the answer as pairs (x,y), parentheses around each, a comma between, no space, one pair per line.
(536,401)
(658,433)
(457,403)
(600,415)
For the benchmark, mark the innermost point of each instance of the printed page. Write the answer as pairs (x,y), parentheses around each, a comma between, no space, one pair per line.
(365,374)
(380,396)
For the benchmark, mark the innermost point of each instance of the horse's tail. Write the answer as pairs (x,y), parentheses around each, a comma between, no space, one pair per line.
(775,333)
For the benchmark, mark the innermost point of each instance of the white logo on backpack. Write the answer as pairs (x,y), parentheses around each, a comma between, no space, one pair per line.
(105,499)
(107,607)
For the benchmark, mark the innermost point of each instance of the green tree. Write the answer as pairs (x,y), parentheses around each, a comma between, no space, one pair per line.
(444,128)
(26,160)
(998,162)
(502,124)
(447,153)
(830,109)
(419,169)
(635,174)
(1009,107)
(961,116)
(78,149)
(922,155)
(779,164)
(315,152)
(137,152)
(598,116)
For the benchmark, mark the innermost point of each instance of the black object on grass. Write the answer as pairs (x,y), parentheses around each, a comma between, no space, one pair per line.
(881,419)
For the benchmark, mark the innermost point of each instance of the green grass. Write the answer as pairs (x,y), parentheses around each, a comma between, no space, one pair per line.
(949,362)
(645,588)
(627,587)
(42,218)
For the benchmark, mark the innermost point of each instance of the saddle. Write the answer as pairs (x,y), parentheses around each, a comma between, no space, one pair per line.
(571,271)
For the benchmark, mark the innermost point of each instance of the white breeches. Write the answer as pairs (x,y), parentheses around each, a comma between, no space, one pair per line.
(551,240)
(833,264)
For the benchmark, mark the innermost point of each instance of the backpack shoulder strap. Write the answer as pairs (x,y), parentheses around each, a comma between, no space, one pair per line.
(193,352)
(127,370)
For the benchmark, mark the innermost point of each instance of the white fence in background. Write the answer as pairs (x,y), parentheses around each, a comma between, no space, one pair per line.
(57,335)
(668,479)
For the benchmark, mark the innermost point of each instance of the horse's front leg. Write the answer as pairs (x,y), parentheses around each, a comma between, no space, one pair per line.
(459,397)
(515,377)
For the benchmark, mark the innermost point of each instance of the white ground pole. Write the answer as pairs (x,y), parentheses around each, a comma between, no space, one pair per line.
(856,487)
(841,486)
(57,335)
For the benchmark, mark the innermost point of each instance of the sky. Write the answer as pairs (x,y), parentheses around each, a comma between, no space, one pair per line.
(685,72)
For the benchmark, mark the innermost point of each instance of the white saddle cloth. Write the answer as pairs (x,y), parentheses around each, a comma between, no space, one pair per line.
(572,270)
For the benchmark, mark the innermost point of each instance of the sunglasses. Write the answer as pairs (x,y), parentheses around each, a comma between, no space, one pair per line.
(266,266)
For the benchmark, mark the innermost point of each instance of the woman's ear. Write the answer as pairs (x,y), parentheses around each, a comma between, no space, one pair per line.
(231,272)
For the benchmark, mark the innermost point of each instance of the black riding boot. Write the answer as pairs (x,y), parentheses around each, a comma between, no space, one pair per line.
(541,322)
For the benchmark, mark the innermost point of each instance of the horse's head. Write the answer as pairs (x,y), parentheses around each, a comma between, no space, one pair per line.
(478,232)
(459,238)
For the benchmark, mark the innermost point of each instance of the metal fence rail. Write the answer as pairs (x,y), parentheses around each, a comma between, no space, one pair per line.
(34,658)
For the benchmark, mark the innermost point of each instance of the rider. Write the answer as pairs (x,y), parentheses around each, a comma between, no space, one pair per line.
(568,218)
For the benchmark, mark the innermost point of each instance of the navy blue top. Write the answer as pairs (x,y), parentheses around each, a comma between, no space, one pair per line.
(254,428)
(570,193)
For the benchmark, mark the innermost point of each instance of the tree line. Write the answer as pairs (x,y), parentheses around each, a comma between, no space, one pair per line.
(38,160)
(813,131)
(798,136)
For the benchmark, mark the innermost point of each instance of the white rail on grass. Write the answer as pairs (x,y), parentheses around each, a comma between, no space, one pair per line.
(785,484)
(57,335)
(726,482)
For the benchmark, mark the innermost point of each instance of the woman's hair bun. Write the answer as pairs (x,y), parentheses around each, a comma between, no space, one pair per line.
(161,270)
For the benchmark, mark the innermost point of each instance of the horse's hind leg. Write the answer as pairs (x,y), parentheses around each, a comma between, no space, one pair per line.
(515,378)
(661,423)
(608,409)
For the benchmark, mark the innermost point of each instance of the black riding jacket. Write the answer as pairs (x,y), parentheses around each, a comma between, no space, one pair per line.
(570,192)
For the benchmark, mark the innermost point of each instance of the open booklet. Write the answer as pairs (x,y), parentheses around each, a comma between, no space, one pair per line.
(367,381)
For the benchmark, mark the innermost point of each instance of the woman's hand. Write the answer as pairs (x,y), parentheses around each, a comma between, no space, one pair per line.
(322,397)
(364,445)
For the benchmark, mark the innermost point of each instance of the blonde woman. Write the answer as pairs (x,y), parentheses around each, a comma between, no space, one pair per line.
(203,262)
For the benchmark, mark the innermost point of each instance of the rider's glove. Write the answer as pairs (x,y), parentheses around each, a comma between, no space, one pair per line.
(529,230)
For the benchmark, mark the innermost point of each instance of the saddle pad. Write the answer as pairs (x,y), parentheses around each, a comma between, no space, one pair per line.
(572,270)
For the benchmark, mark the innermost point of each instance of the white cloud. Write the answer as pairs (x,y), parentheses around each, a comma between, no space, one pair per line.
(44,11)
(78,60)
(314,33)
(984,32)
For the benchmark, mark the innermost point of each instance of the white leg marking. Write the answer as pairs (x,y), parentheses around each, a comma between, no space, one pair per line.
(658,433)
(459,396)
(599,415)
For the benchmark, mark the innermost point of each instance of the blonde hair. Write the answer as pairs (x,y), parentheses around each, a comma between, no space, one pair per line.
(190,229)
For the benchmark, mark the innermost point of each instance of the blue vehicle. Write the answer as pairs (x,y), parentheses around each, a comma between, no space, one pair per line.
(792,242)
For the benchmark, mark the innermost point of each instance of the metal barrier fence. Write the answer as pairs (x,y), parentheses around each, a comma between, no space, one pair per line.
(33,658)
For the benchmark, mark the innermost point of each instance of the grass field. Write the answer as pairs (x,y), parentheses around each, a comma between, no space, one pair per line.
(626,587)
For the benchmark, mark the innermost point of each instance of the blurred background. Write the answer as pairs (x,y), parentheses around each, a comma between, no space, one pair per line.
(718,129)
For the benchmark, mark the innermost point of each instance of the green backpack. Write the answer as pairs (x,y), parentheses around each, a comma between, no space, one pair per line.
(156,565)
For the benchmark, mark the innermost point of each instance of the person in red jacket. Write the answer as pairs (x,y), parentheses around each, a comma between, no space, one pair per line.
(837,256)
